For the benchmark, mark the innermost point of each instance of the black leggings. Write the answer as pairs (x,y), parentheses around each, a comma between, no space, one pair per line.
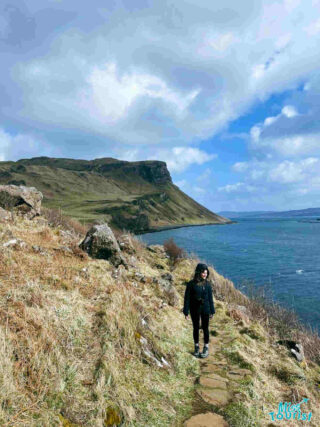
(205,326)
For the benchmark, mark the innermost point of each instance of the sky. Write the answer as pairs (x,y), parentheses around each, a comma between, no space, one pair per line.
(226,93)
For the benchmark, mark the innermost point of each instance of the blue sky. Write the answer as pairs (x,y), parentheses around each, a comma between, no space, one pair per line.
(226,93)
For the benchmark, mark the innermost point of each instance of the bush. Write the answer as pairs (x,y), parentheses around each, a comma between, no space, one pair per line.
(173,250)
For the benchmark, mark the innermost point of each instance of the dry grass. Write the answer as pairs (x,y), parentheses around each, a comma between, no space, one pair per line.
(70,335)
(56,219)
(71,330)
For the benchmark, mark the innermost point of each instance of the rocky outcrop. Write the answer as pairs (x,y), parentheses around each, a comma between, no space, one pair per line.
(101,243)
(23,200)
(136,223)
(296,349)
(168,290)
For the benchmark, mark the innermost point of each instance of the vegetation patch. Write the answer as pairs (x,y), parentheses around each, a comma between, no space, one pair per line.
(285,375)
(252,334)
(238,415)
(237,359)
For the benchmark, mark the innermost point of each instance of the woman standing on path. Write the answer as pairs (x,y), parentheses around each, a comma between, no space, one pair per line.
(198,298)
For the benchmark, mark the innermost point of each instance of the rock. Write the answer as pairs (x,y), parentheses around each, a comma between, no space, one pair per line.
(238,373)
(215,396)
(298,352)
(296,349)
(208,419)
(157,249)
(239,313)
(23,200)
(132,261)
(64,249)
(215,376)
(207,381)
(39,250)
(139,276)
(15,243)
(101,243)
(168,289)
(4,215)
(167,276)
(125,243)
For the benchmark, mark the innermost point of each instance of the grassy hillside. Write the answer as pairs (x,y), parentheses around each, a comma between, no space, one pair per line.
(85,344)
(137,196)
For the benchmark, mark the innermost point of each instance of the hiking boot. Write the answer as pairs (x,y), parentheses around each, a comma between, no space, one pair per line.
(196,351)
(205,352)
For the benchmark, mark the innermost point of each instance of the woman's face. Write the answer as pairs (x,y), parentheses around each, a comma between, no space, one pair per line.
(204,274)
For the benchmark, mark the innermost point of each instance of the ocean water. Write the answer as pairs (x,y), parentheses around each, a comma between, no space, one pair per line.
(282,254)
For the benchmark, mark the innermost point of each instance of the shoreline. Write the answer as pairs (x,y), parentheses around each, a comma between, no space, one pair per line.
(171,227)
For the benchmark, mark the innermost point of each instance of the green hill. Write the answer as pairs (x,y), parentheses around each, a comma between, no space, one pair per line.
(137,196)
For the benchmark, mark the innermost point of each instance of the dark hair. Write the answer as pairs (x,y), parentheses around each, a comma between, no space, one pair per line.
(199,269)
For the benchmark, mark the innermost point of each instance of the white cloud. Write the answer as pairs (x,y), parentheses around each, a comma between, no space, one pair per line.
(240,166)
(14,147)
(205,177)
(293,172)
(238,187)
(289,111)
(121,91)
(179,159)
(173,72)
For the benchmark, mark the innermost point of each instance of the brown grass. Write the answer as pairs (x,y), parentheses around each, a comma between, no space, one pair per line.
(173,250)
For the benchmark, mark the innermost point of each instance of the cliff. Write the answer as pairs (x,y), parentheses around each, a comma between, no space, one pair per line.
(136,196)
(86,344)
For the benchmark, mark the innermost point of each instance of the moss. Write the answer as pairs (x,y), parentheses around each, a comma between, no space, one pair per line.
(236,358)
(238,415)
(66,423)
(112,418)
(252,334)
(285,375)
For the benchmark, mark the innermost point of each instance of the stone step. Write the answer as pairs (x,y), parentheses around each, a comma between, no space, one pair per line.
(212,382)
(215,396)
(208,419)
(215,376)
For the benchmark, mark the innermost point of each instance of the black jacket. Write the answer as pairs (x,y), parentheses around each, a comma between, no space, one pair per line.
(198,298)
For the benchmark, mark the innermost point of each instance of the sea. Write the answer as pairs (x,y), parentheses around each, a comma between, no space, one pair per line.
(280,254)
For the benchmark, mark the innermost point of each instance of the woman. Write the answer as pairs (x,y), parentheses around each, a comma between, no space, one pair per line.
(198,298)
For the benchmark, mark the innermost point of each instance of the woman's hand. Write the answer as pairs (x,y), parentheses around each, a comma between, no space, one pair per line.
(211,316)
(186,316)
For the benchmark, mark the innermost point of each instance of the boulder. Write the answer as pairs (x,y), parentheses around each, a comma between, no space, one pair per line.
(23,200)
(101,243)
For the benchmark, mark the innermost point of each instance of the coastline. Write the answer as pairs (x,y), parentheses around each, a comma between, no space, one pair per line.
(171,227)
